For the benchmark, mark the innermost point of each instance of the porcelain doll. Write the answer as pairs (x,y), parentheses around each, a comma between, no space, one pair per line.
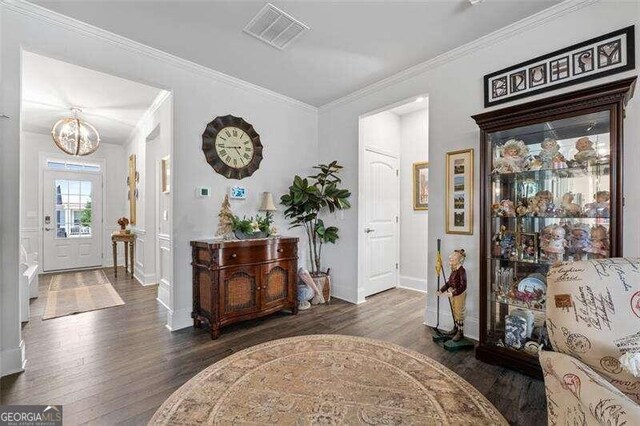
(601,206)
(504,209)
(553,244)
(567,207)
(579,240)
(456,289)
(550,155)
(599,243)
(513,158)
(585,149)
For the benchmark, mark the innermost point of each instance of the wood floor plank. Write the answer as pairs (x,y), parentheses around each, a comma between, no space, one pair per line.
(117,365)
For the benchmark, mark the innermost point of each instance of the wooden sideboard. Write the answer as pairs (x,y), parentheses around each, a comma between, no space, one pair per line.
(240,280)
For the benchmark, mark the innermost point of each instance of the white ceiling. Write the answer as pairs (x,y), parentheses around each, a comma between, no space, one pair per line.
(51,87)
(351,43)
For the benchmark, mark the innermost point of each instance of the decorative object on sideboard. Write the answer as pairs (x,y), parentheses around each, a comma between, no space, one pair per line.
(232,147)
(307,198)
(421,186)
(225,219)
(599,57)
(459,192)
(269,207)
(252,227)
(75,136)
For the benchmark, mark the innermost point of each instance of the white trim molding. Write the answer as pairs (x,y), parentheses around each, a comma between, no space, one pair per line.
(179,319)
(554,12)
(413,283)
(49,16)
(13,360)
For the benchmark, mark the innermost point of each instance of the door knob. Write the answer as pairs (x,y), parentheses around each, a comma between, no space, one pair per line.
(48,229)
(369,230)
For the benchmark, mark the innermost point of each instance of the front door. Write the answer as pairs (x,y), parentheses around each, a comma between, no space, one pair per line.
(382,208)
(72,222)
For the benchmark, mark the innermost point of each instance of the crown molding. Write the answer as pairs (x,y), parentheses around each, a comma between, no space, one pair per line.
(159,100)
(38,12)
(528,23)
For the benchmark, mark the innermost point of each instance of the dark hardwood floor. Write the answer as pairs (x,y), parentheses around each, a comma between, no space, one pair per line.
(117,365)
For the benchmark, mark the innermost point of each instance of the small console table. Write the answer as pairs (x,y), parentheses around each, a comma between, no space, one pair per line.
(241,280)
(129,241)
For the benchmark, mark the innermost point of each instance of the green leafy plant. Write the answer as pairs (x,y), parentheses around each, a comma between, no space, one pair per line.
(310,196)
(85,215)
(252,225)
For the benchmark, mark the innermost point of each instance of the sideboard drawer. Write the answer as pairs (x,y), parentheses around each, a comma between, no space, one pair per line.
(231,256)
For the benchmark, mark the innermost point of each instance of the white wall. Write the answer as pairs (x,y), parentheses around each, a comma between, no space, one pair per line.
(150,142)
(288,131)
(414,147)
(454,85)
(30,217)
(381,131)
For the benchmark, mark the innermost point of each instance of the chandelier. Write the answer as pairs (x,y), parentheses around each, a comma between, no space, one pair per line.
(75,136)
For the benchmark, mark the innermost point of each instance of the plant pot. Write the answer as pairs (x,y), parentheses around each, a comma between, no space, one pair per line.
(323,282)
(242,236)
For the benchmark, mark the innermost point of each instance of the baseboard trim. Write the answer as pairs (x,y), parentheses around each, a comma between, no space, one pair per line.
(471,325)
(412,283)
(177,320)
(13,360)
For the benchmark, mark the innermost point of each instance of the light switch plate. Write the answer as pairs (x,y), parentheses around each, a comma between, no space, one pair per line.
(203,192)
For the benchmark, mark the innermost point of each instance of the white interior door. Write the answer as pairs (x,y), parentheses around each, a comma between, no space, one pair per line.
(382,209)
(72,222)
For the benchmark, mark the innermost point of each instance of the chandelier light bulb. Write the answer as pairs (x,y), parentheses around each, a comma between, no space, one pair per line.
(75,136)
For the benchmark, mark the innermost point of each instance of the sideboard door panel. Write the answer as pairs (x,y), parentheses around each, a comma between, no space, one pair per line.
(277,282)
(239,290)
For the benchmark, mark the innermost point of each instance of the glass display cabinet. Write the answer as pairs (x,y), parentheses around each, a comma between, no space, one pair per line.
(551,191)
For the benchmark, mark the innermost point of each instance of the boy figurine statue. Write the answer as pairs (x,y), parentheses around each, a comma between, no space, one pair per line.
(456,290)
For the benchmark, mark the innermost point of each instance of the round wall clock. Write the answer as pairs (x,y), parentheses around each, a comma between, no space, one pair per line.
(232,147)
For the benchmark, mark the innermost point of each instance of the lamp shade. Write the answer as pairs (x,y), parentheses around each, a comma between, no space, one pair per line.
(75,136)
(267,203)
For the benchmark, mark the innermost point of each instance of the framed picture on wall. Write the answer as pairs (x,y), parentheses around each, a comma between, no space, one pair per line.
(165,170)
(459,192)
(421,186)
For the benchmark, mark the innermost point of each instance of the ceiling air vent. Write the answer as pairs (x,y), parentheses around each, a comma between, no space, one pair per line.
(275,27)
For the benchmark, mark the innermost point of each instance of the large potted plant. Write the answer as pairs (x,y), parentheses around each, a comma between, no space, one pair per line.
(307,199)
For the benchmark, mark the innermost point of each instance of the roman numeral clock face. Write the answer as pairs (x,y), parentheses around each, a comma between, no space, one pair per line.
(232,147)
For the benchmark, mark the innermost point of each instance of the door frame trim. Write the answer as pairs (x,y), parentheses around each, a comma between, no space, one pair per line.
(43,156)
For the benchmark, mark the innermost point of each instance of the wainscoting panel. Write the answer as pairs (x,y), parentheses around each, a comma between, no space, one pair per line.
(165,270)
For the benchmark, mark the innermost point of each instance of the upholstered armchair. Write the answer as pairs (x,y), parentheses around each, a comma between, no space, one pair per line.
(593,318)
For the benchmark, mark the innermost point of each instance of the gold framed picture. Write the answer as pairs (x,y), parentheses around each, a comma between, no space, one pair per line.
(421,186)
(459,192)
(165,170)
(132,182)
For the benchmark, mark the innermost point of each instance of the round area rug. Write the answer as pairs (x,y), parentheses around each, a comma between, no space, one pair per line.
(327,379)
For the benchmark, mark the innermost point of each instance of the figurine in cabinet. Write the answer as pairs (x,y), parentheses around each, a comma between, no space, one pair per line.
(567,207)
(513,158)
(553,243)
(578,241)
(585,149)
(504,208)
(550,156)
(456,289)
(541,204)
(599,243)
(599,208)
